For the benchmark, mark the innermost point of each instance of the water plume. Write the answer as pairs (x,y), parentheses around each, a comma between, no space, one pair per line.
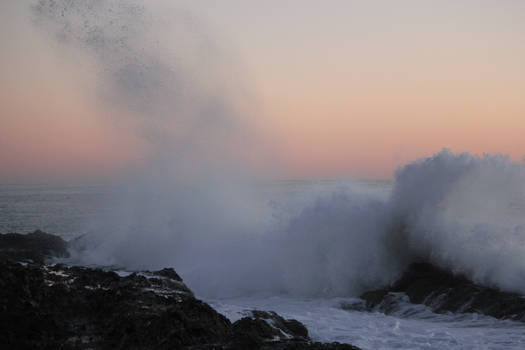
(194,205)
(465,213)
(172,83)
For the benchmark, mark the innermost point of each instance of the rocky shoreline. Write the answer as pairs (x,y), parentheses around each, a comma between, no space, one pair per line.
(54,306)
(444,292)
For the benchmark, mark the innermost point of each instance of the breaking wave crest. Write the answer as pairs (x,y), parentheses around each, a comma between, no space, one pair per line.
(459,211)
(197,207)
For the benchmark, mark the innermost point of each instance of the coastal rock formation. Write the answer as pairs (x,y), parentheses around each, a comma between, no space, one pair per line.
(444,292)
(70,307)
(268,330)
(80,308)
(35,247)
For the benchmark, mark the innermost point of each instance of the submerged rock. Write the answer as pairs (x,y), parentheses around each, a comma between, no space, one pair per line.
(70,307)
(444,292)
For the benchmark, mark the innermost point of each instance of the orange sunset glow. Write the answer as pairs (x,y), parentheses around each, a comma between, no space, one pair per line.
(335,88)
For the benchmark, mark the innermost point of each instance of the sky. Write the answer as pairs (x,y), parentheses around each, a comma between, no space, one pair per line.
(331,88)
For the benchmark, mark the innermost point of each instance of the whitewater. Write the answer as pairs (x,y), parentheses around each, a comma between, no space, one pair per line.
(307,249)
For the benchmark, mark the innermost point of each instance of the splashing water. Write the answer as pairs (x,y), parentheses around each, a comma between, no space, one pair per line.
(197,206)
(461,212)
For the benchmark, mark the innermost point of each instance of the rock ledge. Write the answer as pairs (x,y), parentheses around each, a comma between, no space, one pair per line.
(444,292)
(45,306)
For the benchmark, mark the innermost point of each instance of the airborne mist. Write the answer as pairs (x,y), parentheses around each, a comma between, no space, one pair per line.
(194,205)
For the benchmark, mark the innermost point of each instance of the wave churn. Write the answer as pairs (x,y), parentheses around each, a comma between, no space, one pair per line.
(458,211)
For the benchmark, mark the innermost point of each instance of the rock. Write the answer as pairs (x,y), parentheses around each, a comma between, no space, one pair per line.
(252,333)
(445,292)
(32,247)
(290,329)
(265,326)
(374,297)
(168,272)
(71,307)
(268,330)
(74,307)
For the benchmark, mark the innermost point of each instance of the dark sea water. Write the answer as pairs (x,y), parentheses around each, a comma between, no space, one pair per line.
(62,210)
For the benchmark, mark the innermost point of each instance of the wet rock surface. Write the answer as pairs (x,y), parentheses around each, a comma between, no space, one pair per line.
(70,307)
(267,330)
(35,247)
(444,292)
(80,308)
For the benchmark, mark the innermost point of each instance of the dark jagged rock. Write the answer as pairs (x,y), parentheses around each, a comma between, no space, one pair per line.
(80,308)
(268,330)
(289,328)
(445,292)
(70,307)
(32,247)
(168,272)
(263,326)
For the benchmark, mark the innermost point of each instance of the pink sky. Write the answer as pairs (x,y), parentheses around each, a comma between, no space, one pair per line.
(344,88)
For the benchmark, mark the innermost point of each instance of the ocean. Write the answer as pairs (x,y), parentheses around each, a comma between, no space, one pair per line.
(327,306)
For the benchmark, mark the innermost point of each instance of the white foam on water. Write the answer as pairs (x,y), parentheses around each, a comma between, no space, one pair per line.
(327,321)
